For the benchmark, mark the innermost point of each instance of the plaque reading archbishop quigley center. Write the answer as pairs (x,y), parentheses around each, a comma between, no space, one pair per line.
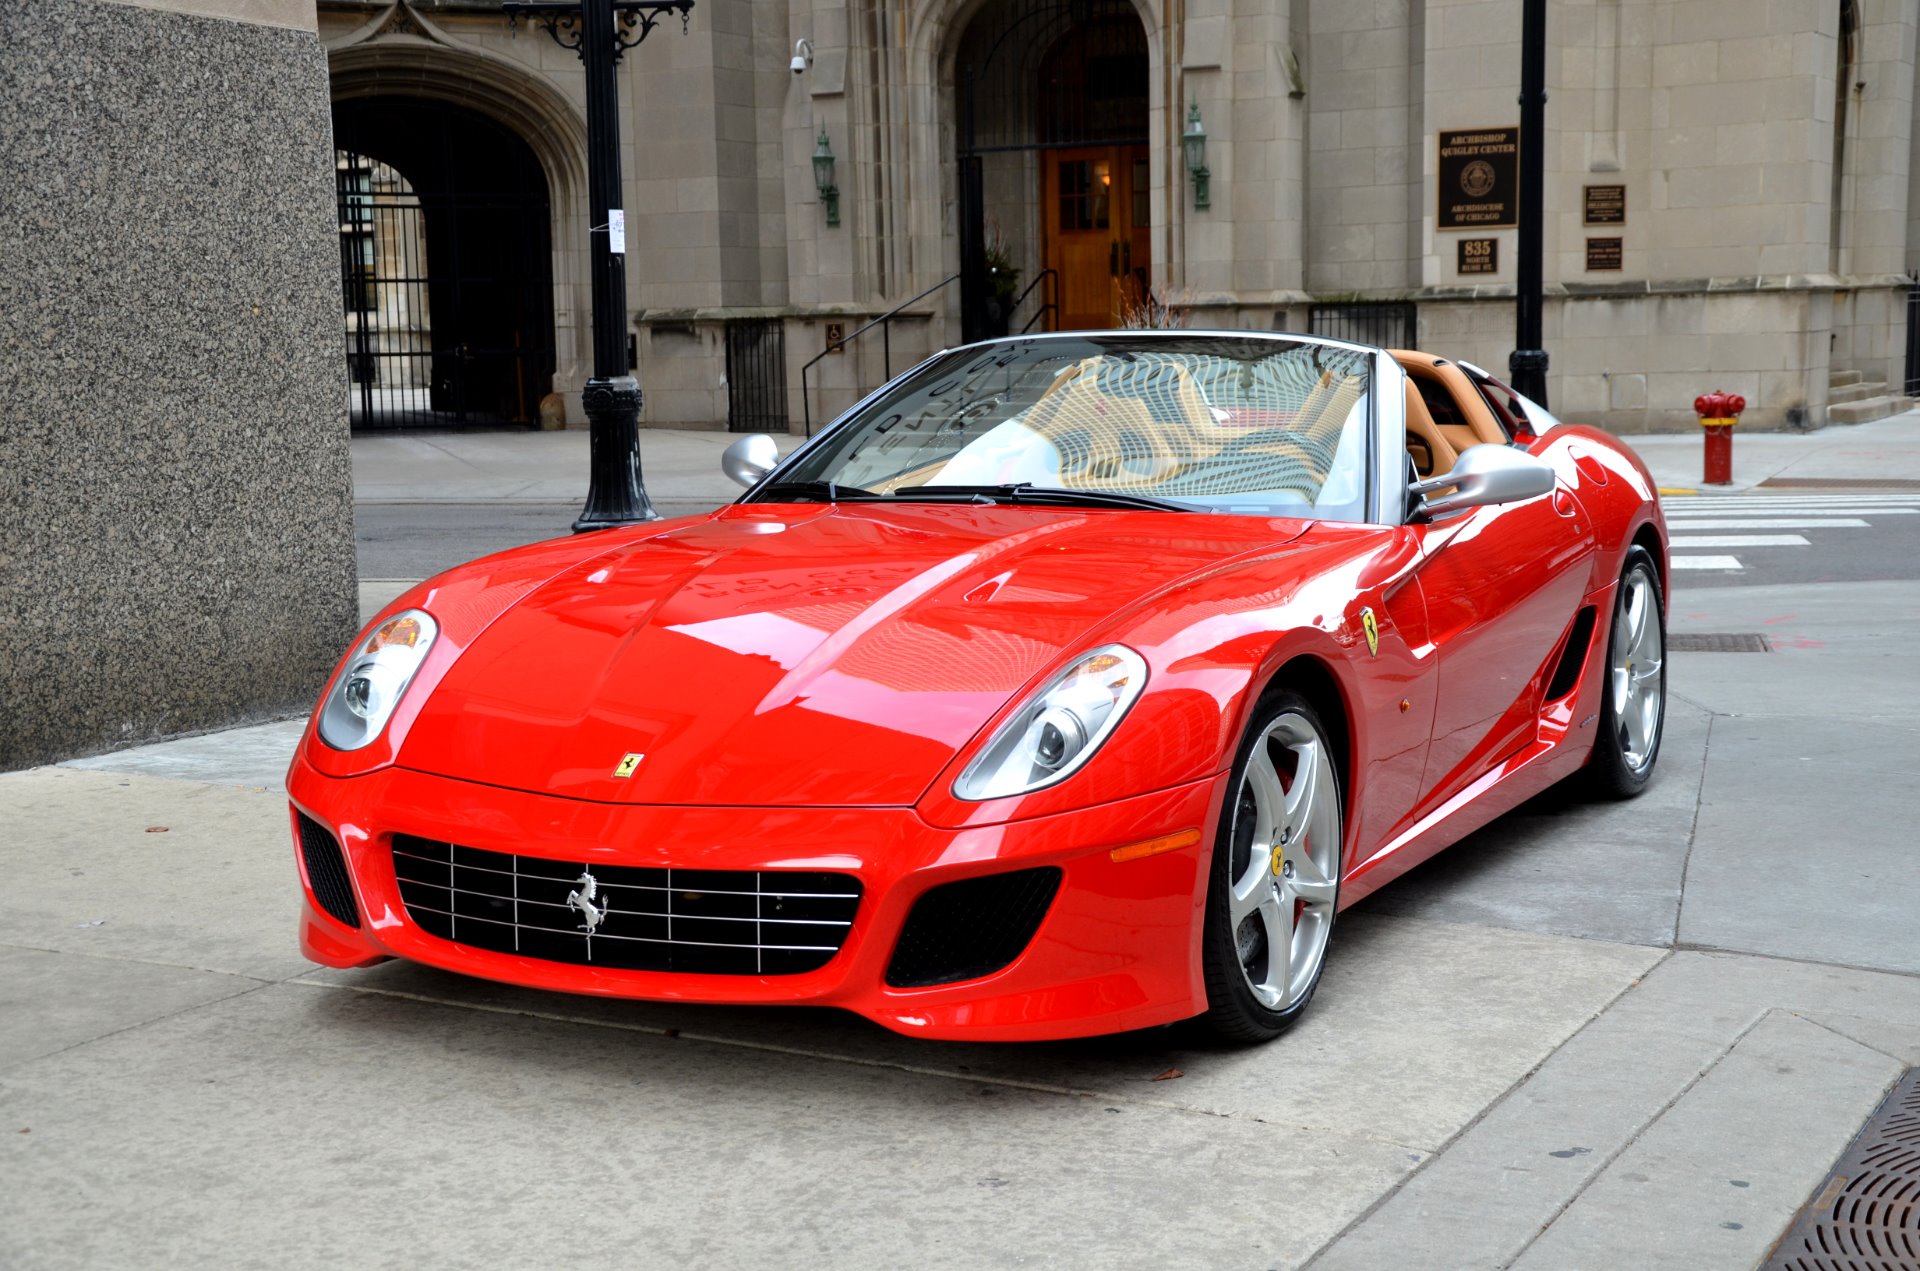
(1479,179)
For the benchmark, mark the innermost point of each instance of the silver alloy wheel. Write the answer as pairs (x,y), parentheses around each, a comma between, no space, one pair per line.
(1286,861)
(1636,682)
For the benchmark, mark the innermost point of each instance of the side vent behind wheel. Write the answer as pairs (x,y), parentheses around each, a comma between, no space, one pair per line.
(1573,656)
(327,871)
(964,930)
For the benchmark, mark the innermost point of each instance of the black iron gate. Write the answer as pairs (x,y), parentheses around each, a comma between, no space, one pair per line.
(1913,341)
(756,375)
(445,267)
(1388,324)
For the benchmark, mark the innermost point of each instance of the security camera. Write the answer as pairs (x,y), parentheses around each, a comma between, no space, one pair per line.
(802,56)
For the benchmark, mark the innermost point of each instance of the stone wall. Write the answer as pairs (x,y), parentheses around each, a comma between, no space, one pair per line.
(176,521)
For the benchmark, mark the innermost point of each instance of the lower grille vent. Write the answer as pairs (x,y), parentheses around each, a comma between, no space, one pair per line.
(964,930)
(715,922)
(327,871)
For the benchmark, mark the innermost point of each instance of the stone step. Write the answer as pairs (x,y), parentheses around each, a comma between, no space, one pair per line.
(1838,379)
(1857,392)
(1869,409)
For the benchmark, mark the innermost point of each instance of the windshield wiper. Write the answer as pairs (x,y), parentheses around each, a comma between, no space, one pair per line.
(812,492)
(1026,492)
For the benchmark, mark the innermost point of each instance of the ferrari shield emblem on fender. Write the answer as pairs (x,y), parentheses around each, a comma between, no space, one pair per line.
(627,764)
(1372,628)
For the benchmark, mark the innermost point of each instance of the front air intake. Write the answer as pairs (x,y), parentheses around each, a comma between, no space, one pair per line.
(327,871)
(965,930)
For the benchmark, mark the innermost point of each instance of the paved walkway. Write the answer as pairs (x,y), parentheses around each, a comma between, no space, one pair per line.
(1626,1035)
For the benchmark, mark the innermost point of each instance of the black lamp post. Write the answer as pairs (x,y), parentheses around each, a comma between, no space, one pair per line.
(1528,363)
(600,31)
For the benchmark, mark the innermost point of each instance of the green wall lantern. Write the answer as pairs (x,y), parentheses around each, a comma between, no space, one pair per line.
(823,177)
(1194,142)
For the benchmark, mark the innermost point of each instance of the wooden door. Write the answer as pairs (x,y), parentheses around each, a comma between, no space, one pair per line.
(1097,232)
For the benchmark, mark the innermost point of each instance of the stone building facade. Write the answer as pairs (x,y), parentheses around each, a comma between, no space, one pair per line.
(1732,191)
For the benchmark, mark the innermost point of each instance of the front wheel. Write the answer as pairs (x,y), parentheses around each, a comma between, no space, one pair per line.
(1633,705)
(1275,878)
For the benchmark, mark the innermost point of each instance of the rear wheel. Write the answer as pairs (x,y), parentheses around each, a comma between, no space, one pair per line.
(1633,705)
(1275,877)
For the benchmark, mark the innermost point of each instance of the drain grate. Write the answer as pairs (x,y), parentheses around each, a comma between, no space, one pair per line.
(1867,1213)
(1718,642)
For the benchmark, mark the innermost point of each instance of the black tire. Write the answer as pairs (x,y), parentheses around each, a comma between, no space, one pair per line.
(1234,1013)
(1614,770)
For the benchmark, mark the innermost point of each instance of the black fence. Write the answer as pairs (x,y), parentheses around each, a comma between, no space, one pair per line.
(1391,324)
(1913,341)
(756,376)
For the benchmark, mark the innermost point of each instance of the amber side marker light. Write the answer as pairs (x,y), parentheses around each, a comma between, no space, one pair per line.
(1154,847)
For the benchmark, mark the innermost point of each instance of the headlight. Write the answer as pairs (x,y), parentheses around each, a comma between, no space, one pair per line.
(1057,729)
(362,699)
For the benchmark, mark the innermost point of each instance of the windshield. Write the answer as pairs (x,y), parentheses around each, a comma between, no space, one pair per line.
(1212,423)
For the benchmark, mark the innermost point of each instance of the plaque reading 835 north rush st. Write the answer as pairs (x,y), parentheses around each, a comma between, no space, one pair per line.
(1479,179)
(1479,256)
(1606,205)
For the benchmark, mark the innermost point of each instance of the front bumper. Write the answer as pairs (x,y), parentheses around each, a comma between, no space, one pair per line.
(1119,947)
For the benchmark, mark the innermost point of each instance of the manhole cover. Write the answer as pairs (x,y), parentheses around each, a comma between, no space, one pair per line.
(1867,1213)
(1717,642)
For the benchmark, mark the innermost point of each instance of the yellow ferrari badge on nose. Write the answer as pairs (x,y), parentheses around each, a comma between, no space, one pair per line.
(627,764)
(1372,628)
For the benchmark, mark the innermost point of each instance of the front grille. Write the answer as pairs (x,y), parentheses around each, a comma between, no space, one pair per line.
(327,871)
(714,922)
(964,930)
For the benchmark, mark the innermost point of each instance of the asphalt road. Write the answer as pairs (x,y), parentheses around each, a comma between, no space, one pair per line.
(1768,538)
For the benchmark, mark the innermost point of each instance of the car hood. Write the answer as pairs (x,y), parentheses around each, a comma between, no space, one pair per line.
(773,655)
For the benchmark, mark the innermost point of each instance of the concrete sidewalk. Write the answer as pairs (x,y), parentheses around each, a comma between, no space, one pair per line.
(1885,450)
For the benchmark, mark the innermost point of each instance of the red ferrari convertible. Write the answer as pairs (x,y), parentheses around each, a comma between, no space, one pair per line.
(1066,685)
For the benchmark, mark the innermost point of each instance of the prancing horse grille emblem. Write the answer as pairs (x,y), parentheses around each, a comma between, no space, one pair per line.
(586,890)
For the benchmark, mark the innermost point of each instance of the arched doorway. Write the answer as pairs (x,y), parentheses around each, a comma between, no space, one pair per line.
(445,266)
(1052,108)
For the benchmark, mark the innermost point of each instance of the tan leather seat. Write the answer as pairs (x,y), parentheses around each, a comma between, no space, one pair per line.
(1432,452)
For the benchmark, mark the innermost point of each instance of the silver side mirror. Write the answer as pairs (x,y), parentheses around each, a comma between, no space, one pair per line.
(1483,476)
(750,458)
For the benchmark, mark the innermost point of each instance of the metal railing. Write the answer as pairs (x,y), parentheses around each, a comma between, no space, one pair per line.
(1386,324)
(885,323)
(1046,306)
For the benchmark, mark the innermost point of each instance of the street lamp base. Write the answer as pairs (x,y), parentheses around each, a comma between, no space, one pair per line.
(615,495)
(1527,370)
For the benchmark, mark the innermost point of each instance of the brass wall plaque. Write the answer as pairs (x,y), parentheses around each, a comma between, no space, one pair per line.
(836,337)
(1479,256)
(1479,179)
(1605,253)
(1606,205)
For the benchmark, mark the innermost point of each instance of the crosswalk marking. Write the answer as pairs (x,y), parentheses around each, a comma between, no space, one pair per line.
(1690,516)
(1770,523)
(1738,540)
(1788,510)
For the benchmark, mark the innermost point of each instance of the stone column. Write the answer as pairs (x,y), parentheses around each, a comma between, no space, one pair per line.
(176,517)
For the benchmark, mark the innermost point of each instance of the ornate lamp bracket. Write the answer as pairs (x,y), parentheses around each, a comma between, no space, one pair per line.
(635,20)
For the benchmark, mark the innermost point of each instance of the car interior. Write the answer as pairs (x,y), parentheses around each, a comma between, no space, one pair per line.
(1445,413)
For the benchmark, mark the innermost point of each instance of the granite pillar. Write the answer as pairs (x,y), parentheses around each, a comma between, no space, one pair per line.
(176,516)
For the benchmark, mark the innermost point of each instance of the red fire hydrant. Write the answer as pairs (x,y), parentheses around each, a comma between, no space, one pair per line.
(1719,412)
